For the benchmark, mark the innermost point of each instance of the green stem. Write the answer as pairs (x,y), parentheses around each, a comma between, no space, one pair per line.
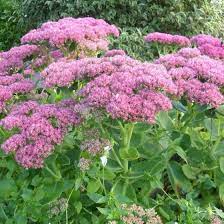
(117,158)
(103,184)
(126,134)
(114,186)
(133,177)
(66,211)
(89,212)
(125,186)
(130,132)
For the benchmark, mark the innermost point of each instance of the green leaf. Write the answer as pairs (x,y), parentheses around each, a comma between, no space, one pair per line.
(78,207)
(107,174)
(154,166)
(27,194)
(104,211)
(219,212)
(211,126)
(7,187)
(3,216)
(189,172)
(179,106)
(218,176)
(221,193)
(164,213)
(20,219)
(177,150)
(93,186)
(130,192)
(122,198)
(53,191)
(180,152)
(165,121)
(221,164)
(177,177)
(78,183)
(39,194)
(97,198)
(130,154)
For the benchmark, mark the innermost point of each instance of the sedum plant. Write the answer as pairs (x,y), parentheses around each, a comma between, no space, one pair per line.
(106,138)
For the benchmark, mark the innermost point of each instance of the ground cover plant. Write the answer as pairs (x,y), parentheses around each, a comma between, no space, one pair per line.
(92,135)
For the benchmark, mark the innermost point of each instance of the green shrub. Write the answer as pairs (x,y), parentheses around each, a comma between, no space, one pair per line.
(10,30)
(166,16)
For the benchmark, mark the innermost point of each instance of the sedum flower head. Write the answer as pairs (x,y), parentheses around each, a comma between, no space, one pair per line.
(165,38)
(40,128)
(87,32)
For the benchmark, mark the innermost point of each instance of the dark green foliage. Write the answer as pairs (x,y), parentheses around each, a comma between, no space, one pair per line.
(10,28)
(173,16)
(160,15)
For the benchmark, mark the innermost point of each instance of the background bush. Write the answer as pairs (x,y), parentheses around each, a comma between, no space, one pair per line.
(185,17)
(10,26)
(189,16)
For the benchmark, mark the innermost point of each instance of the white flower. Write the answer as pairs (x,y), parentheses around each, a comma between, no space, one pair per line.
(107,148)
(103,160)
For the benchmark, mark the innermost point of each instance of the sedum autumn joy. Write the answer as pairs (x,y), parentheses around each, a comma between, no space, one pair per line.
(198,72)
(118,125)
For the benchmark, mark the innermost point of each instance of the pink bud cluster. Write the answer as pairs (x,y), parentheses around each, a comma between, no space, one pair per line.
(95,146)
(196,75)
(165,38)
(14,58)
(40,128)
(135,214)
(87,32)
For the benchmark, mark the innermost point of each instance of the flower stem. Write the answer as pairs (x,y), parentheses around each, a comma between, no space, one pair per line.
(126,134)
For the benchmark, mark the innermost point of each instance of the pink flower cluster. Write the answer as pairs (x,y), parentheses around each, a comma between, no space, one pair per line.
(165,38)
(207,44)
(14,58)
(212,51)
(125,87)
(64,72)
(196,75)
(112,53)
(13,84)
(130,90)
(202,39)
(87,32)
(40,128)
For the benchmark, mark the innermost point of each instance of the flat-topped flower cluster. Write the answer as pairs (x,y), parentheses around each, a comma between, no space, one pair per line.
(114,83)
(38,129)
(87,32)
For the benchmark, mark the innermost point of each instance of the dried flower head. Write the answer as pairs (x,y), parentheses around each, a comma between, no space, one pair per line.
(58,207)
(136,214)
(84,164)
(95,146)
